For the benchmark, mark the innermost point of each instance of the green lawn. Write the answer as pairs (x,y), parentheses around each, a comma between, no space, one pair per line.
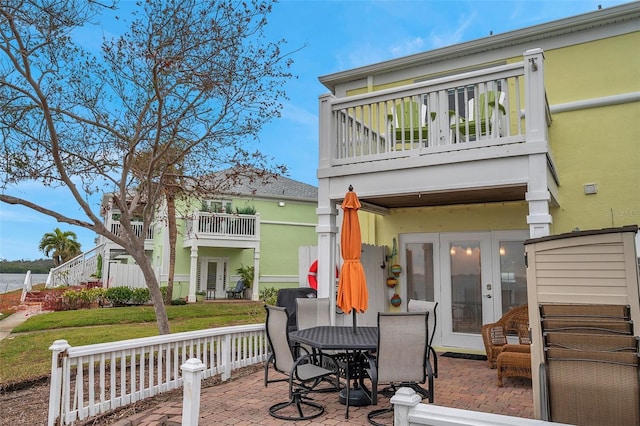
(25,354)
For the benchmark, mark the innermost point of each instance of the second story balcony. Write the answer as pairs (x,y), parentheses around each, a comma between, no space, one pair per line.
(221,230)
(437,121)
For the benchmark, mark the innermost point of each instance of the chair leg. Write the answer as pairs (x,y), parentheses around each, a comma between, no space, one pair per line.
(435,361)
(377,413)
(300,402)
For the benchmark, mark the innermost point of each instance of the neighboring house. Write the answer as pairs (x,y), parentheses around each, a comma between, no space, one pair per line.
(257,225)
(462,153)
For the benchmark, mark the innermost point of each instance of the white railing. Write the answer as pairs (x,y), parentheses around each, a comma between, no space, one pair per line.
(77,270)
(138,229)
(94,379)
(222,225)
(463,111)
(408,411)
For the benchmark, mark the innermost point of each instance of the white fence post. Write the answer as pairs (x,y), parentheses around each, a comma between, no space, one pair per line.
(225,357)
(403,401)
(192,371)
(58,348)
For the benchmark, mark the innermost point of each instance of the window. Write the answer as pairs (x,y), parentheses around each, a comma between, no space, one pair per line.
(216,206)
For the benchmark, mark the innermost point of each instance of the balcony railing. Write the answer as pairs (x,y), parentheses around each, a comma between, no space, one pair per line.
(463,111)
(138,228)
(222,225)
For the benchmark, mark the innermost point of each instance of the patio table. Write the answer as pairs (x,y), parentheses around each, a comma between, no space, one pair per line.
(353,344)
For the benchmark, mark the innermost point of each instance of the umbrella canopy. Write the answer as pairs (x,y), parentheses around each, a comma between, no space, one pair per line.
(352,287)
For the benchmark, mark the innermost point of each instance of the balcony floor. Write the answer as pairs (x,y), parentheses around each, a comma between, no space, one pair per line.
(466,384)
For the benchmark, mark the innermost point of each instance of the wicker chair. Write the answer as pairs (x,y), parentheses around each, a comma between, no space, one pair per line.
(494,335)
(514,361)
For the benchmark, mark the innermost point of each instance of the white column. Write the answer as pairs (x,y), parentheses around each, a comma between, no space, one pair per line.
(191,378)
(538,195)
(327,246)
(255,290)
(193,271)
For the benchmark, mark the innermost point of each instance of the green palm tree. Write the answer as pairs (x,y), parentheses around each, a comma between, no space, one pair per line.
(63,246)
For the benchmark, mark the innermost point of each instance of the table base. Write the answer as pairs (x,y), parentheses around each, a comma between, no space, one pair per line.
(358,397)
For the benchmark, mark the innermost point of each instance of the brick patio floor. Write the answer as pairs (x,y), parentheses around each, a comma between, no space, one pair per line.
(461,383)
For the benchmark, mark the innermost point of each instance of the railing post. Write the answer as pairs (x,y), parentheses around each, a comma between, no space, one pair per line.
(192,371)
(225,356)
(535,99)
(58,348)
(403,401)
(326,125)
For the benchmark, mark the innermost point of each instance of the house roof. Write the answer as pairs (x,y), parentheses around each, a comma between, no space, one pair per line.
(277,187)
(625,12)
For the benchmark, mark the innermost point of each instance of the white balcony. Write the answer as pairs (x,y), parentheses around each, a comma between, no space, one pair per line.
(456,130)
(205,229)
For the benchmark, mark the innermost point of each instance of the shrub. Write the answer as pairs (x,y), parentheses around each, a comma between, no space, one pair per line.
(140,296)
(118,296)
(178,302)
(269,295)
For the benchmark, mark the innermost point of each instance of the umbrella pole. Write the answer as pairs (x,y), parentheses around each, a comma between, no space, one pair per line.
(355,330)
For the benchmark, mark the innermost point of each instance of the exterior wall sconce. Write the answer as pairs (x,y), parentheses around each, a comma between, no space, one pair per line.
(281,204)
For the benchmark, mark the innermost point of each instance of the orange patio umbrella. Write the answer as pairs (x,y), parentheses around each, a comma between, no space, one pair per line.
(352,287)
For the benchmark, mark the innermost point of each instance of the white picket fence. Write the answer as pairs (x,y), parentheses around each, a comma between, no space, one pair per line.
(94,379)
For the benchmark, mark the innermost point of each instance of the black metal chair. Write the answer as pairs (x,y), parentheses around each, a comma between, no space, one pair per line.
(401,358)
(238,292)
(302,373)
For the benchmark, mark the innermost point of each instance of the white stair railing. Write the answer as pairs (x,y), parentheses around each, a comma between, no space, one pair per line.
(77,270)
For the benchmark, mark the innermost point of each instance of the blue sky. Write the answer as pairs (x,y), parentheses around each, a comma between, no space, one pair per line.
(334,36)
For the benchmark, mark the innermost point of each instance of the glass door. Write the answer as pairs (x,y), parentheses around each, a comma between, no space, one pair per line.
(213,278)
(475,278)
(467,288)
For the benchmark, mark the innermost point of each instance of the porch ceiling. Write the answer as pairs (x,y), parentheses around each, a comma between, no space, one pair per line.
(443,198)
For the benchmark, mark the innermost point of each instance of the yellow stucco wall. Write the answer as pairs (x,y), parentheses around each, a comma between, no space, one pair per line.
(459,218)
(597,145)
(595,69)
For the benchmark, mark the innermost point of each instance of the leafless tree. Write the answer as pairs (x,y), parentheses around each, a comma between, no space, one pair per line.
(190,85)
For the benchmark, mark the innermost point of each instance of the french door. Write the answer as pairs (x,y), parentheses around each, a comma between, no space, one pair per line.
(213,277)
(474,276)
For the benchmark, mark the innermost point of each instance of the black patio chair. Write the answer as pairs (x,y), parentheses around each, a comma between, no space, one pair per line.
(401,358)
(238,292)
(417,305)
(302,373)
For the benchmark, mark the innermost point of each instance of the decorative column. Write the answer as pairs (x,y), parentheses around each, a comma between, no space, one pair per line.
(193,277)
(326,211)
(327,246)
(255,290)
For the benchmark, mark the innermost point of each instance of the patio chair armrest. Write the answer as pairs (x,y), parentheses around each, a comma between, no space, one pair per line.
(516,348)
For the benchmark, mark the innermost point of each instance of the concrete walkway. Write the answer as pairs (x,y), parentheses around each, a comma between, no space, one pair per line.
(12,321)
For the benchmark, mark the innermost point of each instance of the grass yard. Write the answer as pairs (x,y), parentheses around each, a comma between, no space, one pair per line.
(25,354)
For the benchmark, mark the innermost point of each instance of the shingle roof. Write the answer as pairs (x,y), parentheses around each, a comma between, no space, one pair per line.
(277,187)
